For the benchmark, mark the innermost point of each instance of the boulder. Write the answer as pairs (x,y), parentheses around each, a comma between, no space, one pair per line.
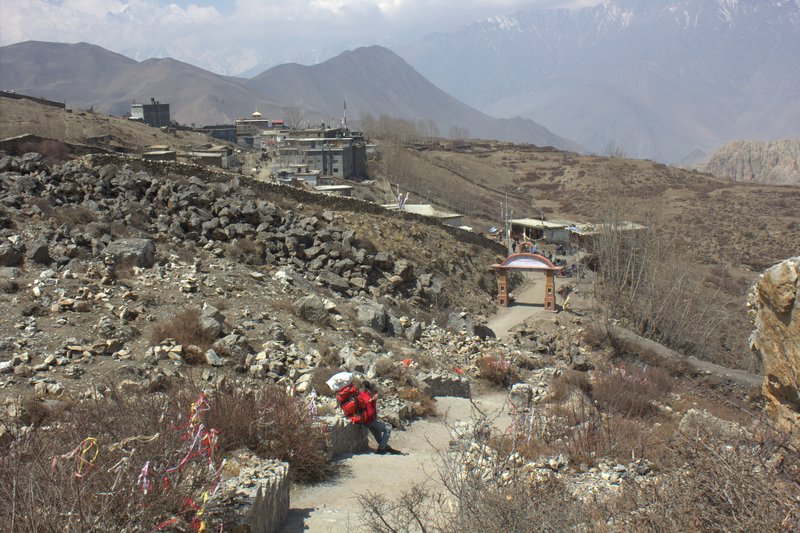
(311,308)
(334,281)
(212,320)
(132,252)
(373,315)
(10,255)
(774,303)
(212,358)
(39,252)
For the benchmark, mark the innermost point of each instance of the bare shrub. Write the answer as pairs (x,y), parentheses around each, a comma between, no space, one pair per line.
(328,354)
(595,336)
(73,216)
(319,376)
(497,370)
(44,205)
(133,462)
(8,286)
(642,274)
(718,484)
(489,495)
(286,430)
(630,392)
(53,151)
(246,251)
(185,328)
(86,470)
(569,380)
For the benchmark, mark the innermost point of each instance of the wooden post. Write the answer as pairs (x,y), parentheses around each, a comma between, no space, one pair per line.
(550,292)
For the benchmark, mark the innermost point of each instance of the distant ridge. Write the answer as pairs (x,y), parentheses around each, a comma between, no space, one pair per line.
(376,80)
(372,80)
(658,78)
(770,162)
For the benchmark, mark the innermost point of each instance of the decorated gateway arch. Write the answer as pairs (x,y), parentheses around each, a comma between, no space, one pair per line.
(527,262)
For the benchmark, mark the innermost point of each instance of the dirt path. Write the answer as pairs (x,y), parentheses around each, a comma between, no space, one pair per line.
(528,304)
(334,506)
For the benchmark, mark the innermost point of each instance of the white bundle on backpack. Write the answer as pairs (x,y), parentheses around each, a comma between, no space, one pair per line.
(339,381)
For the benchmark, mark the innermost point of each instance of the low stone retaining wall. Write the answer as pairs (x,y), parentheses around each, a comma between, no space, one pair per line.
(447,385)
(253,496)
(345,437)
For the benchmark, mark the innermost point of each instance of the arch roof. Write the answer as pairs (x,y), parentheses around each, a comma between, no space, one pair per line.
(526,261)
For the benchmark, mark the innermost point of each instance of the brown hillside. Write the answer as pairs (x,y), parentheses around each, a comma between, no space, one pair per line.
(747,225)
(19,117)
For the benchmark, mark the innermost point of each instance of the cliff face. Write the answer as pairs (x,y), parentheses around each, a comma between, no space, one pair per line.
(773,162)
(775,303)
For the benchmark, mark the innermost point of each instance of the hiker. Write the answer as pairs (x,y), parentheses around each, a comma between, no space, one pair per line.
(361,408)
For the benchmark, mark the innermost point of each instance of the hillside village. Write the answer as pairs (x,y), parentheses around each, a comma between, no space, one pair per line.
(172,318)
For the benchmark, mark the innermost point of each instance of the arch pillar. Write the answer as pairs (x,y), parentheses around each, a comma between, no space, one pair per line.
(502,288)
(550,291)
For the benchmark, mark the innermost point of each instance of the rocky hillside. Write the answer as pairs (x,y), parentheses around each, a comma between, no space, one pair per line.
(122,282)
(98,255)
(773,162)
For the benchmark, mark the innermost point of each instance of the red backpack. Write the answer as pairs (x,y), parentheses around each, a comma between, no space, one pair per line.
(348,400)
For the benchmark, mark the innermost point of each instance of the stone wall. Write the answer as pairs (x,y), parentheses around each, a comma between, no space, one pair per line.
(253,496)
(446,385)
(345,438)
(774,302)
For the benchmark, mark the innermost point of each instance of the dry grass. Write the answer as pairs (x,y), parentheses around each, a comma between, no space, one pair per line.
(185,328)
(746,484)
(563,385)
(73,216)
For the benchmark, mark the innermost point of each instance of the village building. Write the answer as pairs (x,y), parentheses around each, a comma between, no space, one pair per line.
(217,156)
(159,155)
(450,219)
(154,114)
(223,132)
(335,152)
(336,190)
(534,229)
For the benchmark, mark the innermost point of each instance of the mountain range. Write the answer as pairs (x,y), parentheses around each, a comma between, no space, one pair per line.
(658,78)
(371,80)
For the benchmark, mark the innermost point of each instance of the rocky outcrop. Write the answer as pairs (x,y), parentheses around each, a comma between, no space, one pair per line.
(775,304)
(774,162)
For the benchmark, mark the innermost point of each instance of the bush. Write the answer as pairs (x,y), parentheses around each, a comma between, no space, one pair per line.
(319,377)
(88,470)
(748,484)
(185,328)
(276,426)
(569,380)
(81,474)
(73,216)
(8,286)
(246,251)
(631,392)
(497,370)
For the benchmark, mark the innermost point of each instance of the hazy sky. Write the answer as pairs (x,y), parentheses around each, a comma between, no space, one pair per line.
(232,36)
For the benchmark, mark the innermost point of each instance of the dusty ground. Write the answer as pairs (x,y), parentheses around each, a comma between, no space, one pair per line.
(334,506)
